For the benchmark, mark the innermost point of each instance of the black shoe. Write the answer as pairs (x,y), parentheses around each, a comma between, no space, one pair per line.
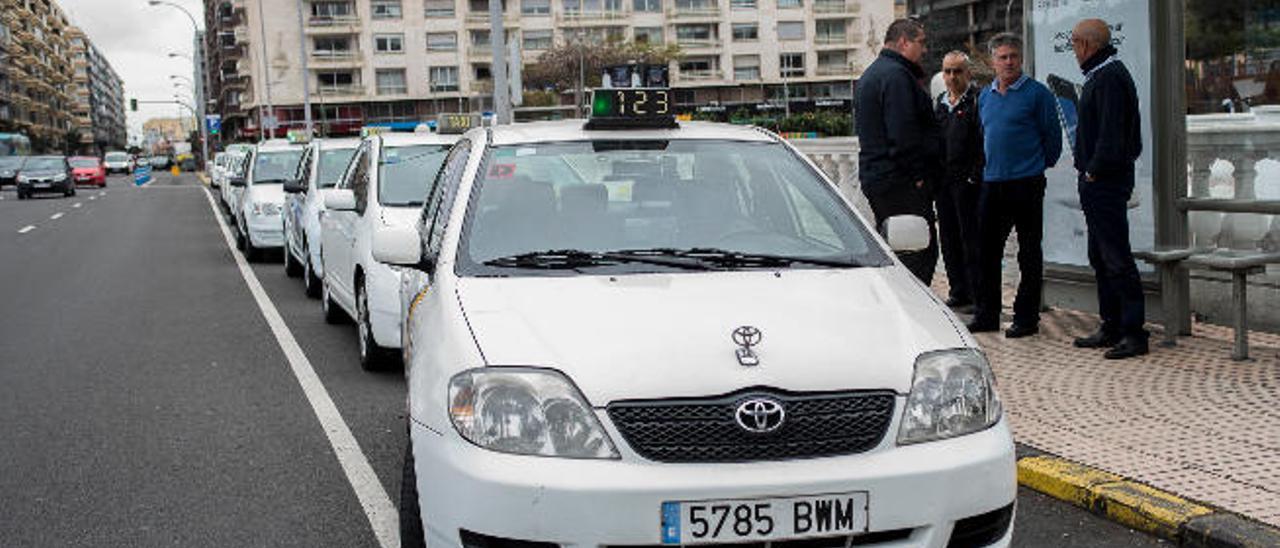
(1016,331)
(983,327)
(1098,339)
(955,302)
(1127,348)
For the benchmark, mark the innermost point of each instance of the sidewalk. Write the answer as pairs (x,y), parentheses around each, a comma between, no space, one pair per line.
(1187,419)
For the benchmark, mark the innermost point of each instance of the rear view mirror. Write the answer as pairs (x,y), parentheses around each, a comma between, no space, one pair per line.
(340,199)
(236,180)
(906,233)
(294,187)
(397,245)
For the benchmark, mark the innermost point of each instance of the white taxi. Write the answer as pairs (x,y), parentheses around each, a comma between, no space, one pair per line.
(384,186)
(233,167)
(257,208)
(637,333)
(321,168)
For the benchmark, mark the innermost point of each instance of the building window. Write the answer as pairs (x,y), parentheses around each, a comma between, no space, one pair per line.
(791,65)
(791,30)
(391,112)
(332,46)
(647,5)
(439,9)
(391,82)
(537,39)
(442,41)
(701,68)
(386,9)
(790,3)
(388,43)
(746,32)
(331,10)
(443,79)
(746,68)
(535,7)
(833,62)
(648,35)
(336,81)
(742,4)
(829,32)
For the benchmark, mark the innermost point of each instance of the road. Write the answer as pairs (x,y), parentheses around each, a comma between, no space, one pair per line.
(146,401)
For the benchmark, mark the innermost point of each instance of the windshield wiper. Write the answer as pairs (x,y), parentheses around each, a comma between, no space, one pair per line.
(730,259)
(268,181)
(573,259)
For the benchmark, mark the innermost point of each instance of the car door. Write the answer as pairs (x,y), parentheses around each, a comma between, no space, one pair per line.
(339,232)
(295,203)
(415,284)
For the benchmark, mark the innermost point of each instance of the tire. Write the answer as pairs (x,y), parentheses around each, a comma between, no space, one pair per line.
(310,283)
(252,253)
(240,238)
(372,356)
(291,267)
(70,192)
(412,534)
(333,315)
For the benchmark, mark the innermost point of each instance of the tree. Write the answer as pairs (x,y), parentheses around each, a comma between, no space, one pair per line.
(558,68)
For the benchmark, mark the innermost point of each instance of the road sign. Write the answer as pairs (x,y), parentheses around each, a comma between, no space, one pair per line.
(213,122)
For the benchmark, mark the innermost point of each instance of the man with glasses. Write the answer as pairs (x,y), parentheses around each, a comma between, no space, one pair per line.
(956,198)
(1022,138)
(897,134)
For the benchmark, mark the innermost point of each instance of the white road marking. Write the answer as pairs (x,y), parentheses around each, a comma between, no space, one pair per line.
(93,197)
(102,193)
(26,229)
(77,205)
(382,514)
(56,216)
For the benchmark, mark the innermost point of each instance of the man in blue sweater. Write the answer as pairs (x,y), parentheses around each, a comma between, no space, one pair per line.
(1022,138)
(1108,141)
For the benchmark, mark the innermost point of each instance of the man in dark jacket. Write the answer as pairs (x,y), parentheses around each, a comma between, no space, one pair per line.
(1108,141)
(957,194)
(897,137)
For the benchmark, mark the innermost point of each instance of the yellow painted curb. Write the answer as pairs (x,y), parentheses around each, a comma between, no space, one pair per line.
(1127,502)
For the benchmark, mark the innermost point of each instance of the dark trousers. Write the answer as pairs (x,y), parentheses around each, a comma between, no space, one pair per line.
(1120,299)
(957,206)
(906,199)
(1004,206)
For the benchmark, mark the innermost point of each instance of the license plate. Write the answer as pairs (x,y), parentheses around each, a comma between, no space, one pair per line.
(42,185)
(710,521)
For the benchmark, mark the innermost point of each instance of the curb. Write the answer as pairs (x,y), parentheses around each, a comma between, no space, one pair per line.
(1142,507)
(203,178)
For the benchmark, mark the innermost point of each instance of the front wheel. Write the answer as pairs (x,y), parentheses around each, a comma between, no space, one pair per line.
(372,355)
(291,267)
(310,281)
(412,534)
(332,314)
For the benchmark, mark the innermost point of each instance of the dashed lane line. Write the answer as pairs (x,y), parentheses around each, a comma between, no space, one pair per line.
(56,216)
(26,229)
(77,205)
(93,197)
(382,514)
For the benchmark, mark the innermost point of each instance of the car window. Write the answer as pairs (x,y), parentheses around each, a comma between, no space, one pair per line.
(44,164)
(275,166)
(359,181)
(406,172)
(304,166)
(443,190)
(333,162)
(743,197)
(116,156)
(83,162)
(11,162)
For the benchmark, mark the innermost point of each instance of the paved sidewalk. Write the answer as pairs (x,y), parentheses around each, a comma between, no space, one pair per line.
(1186,419)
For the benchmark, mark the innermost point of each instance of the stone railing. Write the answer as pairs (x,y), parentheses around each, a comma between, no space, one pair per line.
(838,158)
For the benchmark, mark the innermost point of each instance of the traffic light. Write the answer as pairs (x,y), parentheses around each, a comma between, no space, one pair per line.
(133,105)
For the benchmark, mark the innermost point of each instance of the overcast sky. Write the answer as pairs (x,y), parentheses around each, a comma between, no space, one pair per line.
(136,39)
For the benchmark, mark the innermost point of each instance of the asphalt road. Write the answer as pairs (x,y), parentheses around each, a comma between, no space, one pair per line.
(145,402)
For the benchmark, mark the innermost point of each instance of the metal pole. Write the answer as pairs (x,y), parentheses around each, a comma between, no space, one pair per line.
(497,41)
(266,75)
(204,129)
(1169,153)
(582,81)
(306,73)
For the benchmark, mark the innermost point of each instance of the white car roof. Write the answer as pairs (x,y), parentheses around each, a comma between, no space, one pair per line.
(406,139)
(572,130)
(278,144)
(338,143)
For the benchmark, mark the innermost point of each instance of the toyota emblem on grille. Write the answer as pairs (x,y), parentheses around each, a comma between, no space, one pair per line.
(760,415)
(746,337)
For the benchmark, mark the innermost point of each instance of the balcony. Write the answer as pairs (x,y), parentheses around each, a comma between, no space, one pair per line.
(336,59)
(829,41)
(479,52)
(580,18)
(340,90)
(348,24)
(694,13)
(480,19)
(699,44)
(704,75)
(829,8)
(834,70)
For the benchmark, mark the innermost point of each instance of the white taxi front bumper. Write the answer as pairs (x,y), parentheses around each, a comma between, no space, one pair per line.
(916,492)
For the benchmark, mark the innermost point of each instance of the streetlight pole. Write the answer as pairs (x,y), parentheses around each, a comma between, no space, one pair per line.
(306,73)
(266,75)
(199,67)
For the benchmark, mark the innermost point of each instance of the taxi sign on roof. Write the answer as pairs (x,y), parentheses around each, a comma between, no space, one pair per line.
(632,96)
(457,123)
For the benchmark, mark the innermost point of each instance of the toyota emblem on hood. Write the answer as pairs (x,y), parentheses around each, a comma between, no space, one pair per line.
(746,337)
(760,415)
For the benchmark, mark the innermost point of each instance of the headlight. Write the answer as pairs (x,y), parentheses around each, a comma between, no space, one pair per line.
(526,411)
(266,209)
(952,394)
(60,177)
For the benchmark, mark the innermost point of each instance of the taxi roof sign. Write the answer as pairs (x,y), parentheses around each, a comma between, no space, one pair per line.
(456,123)
(632,108)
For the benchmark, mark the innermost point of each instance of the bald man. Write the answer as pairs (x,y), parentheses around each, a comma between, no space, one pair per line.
(956,197)
(1108,142)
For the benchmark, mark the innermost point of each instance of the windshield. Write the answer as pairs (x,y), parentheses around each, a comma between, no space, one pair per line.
(665,197)
(83,162)
(405,173)
(11,162)
(44,164)
(333,163)
(117,157)
(275,166)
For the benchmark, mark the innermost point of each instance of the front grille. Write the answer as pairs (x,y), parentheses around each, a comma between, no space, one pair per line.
(706,430)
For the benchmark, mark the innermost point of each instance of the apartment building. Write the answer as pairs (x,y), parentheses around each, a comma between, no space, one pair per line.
(159,134)
(99,113)
(36,72)
(963,25)
(389,61)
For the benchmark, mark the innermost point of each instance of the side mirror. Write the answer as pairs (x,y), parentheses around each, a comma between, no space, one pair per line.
(340,199)
(294,186)
(906,233)
(397,245)
(236,180)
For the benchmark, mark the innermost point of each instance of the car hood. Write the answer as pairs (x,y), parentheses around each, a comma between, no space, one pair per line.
(268,193)
(401,216)
(670,335)
(42,173)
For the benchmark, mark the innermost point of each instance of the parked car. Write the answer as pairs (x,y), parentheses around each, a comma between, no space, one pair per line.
(160,162)
(185,162)
(45,174)
(321,169)
(88,170)
(9,167)
(118,162)
(257,211)
(228,191)
(384,186)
